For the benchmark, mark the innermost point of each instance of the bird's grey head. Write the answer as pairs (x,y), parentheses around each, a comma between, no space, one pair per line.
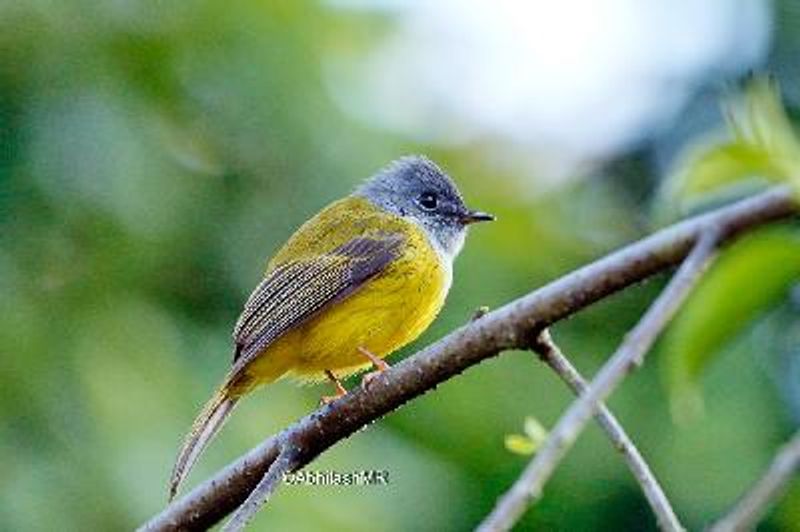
(415,188)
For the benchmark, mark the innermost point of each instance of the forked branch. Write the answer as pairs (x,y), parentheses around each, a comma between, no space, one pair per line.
(505,328)
(528,488)
(285,462)
(550,353)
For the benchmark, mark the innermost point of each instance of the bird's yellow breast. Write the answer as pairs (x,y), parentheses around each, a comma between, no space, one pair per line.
(386,313)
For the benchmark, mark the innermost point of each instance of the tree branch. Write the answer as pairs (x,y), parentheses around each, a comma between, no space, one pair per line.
(285,462)
(501,329)
(528,487)
(752,506)
(553,357)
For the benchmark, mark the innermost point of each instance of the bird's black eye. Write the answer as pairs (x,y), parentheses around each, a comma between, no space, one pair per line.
(428,201)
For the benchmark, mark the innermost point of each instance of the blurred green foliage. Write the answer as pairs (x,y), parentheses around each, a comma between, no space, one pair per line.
(154,154)
(761,144)
(756,273)
(725,302)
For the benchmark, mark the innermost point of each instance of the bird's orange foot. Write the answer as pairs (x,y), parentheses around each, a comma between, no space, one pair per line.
(341,391)
(379,364)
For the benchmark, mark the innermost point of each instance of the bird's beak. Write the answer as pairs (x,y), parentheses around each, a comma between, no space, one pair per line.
(472,217)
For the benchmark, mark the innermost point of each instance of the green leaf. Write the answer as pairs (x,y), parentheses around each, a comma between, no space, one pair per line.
(761,144)
(534,430)
(535,435)
(519,444)
(752,275)
(723,164)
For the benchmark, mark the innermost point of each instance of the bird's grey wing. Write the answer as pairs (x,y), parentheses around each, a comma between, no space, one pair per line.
(293,292)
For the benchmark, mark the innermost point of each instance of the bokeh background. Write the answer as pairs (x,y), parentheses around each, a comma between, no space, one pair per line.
(154,154)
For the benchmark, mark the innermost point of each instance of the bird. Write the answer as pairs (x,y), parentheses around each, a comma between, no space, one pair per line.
(356,282)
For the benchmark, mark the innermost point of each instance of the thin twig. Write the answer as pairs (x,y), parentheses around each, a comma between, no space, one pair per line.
(528,487)
(550,353)
(285,462)
(501,329)
(752,506)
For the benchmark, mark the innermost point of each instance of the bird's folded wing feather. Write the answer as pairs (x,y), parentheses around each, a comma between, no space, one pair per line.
(293,292)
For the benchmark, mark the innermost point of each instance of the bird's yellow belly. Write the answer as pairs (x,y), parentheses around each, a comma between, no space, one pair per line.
(387,313)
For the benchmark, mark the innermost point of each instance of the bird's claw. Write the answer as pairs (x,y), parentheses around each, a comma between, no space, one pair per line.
(367,379)
(328,399)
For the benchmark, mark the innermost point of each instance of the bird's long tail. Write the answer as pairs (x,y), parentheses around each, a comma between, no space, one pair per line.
(205,427)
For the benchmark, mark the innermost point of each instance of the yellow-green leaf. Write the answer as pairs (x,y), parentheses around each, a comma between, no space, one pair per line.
(723,164)
(761,144)
(519,444)
(534,430)
(535,435)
